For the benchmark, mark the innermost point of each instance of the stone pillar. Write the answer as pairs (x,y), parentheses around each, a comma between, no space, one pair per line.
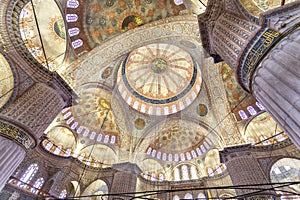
(11,155)
(24,121)
(124,181)
(244,169)
(264,55)
(276,84)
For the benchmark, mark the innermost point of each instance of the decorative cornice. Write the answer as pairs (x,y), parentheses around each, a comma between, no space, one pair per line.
(17,134)
(264,40)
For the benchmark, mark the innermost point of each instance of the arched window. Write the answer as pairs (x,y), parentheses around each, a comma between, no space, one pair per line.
(178,2)
(149,151)
(68,152)
(264,140)
(86,131)
(57,150)
(63,194)
(201,196)
(106,139)
(96,163)
(48,146)
(188,196)
(153,177)
(243,115)
(28,175)
(176,174)
(188,156)
(283,171)
(72,4)
(99,138)
(92,136)
(161,177)
(77,43)
(176,157)
(280,137)
(194,174)
(146,175)
(185,172)
(81,157)
(251,110)
(170,157)
(158,155)
(113,139)
(164,157)
(176,197)
(37,185)
(210,172)
(260,106)
(71,17)
(153,153)
(89,160)
(251,140)
(219,169)
(199,151)
(182,157)
(203,149)
(194,154)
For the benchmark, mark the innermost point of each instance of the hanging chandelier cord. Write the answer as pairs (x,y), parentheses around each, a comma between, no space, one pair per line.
(40,35)
(205,5)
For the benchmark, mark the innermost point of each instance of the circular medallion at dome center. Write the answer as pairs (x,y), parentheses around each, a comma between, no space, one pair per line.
(158,65)
(159,79)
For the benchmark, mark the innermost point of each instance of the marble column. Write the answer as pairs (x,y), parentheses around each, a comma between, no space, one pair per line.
(264,54)
(276,84)
(11,155)
(244,169)
(124,181)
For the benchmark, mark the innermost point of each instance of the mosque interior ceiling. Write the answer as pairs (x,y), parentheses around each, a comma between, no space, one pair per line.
(146,92)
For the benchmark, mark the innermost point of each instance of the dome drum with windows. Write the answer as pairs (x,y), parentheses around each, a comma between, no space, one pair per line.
(159,79)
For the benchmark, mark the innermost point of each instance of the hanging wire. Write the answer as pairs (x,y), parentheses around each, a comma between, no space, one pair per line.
(40,36)
(202,3)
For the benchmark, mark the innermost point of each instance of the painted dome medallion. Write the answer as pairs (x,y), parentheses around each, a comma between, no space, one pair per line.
(159,79)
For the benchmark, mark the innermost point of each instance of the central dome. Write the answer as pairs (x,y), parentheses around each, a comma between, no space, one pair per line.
(159,79)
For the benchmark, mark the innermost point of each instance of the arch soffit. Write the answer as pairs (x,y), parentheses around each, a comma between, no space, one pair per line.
(90,184)
(146,138)
(67,129)
(180,27)
(15,80)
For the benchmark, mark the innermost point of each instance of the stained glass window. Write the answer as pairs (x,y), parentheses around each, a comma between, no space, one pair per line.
(188,196)
(77,43)
(72,4)
(48,146)
(37,185)
(57,150)
(260,106)
(28,175)
(243,115)
(63,194)
(251,110)
(71,17)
